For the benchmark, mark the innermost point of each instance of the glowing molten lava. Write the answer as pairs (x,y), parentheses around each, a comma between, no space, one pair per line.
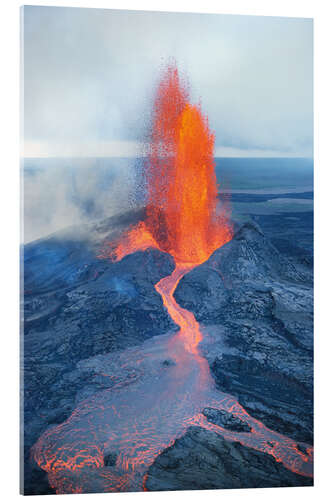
(181,210)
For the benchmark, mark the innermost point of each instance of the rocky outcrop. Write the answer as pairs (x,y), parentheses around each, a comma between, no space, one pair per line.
(226,420)
(110,460)
(202,459)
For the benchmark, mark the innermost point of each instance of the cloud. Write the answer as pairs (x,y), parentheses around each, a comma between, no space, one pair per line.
(95,149)
(66,192)
(90,76)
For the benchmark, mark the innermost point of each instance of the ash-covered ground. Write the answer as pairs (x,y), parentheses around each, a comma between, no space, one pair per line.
(253,299)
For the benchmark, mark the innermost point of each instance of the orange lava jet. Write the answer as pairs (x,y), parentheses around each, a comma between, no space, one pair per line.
(181,215)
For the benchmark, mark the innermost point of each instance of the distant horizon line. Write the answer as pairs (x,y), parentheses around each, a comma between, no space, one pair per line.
(136,157)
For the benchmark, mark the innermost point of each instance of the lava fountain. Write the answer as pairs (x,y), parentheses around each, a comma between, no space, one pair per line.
(181,214)
(137,419)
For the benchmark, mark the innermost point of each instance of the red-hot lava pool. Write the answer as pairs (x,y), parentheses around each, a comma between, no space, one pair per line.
(153,403)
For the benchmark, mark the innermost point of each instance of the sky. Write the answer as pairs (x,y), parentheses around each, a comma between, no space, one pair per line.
(90,75)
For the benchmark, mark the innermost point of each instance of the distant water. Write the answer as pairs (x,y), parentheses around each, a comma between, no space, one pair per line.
(273,175)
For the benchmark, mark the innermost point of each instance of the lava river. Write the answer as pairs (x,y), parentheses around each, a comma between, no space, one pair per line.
(160,389)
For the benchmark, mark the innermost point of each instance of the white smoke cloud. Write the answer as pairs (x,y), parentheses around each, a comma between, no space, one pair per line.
(64,193)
